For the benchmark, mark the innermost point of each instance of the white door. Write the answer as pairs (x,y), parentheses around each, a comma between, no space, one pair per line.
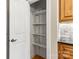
(19,29)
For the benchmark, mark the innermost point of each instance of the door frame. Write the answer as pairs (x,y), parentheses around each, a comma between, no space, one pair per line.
(7,26)
(52,29)
(49,32)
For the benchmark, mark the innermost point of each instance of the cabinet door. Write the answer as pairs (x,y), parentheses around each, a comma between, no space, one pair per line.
(65,10)
(65,51)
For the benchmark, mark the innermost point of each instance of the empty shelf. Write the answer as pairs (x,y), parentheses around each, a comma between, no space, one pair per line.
(39,12)
(38,24)
(40,34)
(40,45)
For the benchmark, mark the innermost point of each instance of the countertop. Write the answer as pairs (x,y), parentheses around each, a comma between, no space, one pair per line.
(65,43)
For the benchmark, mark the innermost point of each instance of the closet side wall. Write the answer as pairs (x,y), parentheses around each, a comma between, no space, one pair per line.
(51,29)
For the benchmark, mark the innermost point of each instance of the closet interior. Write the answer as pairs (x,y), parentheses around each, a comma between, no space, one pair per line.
(38,30)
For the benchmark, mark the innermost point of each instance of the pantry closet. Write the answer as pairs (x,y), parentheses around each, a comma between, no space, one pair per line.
(32,29)
(38,29)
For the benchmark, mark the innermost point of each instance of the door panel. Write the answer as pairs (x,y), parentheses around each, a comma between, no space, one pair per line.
(20,16)
(19,48)
(18,51)
(68,8)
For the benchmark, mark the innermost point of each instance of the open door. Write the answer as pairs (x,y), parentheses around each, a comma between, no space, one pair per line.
(19,26)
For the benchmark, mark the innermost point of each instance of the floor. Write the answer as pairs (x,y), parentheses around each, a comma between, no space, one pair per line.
(37,57)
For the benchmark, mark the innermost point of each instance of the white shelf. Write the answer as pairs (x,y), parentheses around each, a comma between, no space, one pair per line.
(40,12)
(38,24)
(40,34)
(40,45)
(65,36)
(32,1)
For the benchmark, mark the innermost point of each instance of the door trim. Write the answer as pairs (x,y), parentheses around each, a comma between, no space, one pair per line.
(7,29)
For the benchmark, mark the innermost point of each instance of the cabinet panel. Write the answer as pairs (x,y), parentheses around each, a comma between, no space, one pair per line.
(68,8)
(65,13)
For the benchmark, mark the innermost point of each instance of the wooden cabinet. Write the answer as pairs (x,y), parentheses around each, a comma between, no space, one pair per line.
(65,51)
(65,10)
